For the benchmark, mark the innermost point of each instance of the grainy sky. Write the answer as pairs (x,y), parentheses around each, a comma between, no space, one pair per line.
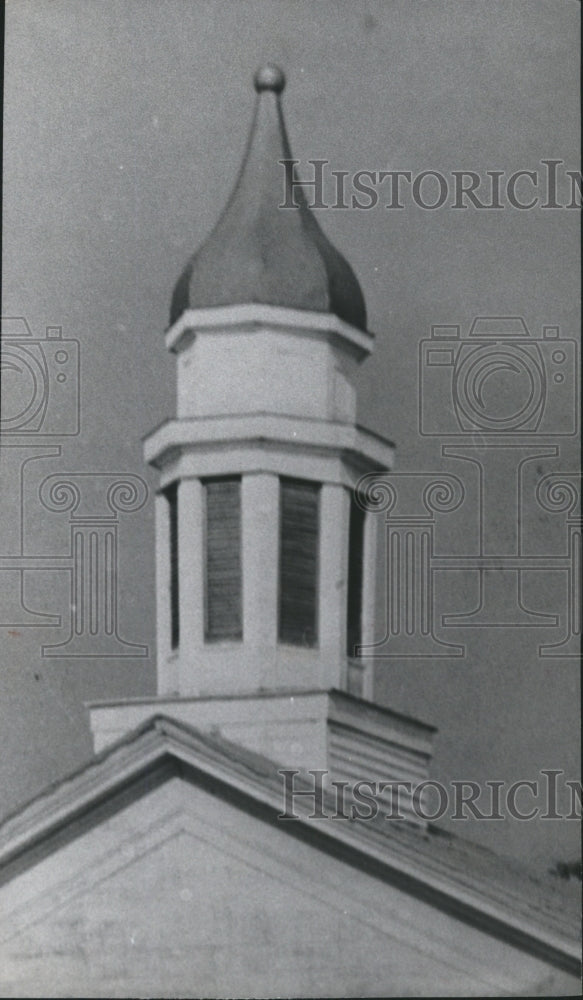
(125,123)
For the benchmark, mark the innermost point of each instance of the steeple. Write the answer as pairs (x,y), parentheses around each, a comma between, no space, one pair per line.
(261,252)
(257,522)
(265,562)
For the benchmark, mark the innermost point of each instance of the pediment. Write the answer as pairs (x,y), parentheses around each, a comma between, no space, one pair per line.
(169,836)
(181,887)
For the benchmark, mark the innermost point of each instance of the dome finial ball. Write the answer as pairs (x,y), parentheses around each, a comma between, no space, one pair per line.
(269,77)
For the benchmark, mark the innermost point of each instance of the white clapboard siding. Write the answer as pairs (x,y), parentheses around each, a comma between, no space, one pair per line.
(356,757)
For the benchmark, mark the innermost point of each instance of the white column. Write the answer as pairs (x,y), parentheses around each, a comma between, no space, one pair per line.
(190,581)
(369,596)
(260,550)
(333,581)
(165,681)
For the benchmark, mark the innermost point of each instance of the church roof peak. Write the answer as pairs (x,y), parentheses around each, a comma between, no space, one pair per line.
(261,252)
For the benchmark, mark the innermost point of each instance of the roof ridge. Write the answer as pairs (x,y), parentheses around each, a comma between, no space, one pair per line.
(405,857)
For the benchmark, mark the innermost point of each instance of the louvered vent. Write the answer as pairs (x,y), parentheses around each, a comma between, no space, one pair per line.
(355,569)
(298,562)
(171,494)
(223,559)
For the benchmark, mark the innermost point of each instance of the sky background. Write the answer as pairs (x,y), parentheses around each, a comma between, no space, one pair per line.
(124,127)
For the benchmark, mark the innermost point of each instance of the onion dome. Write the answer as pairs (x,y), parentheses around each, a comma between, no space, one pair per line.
(261,252)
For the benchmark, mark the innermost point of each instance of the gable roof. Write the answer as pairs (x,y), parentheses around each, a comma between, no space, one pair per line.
(465,880)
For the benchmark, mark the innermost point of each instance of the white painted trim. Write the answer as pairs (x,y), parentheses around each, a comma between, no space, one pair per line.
(333,577)
(256,315)
(260,552)
(369,597)
(191,576)
(164,653)
(196,434)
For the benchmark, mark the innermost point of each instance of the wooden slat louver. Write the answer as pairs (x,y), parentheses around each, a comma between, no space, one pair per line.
(298,562)
(171,494)
(223,559)
(355,572)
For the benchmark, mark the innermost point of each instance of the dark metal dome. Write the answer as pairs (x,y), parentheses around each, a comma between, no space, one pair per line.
(260,252)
